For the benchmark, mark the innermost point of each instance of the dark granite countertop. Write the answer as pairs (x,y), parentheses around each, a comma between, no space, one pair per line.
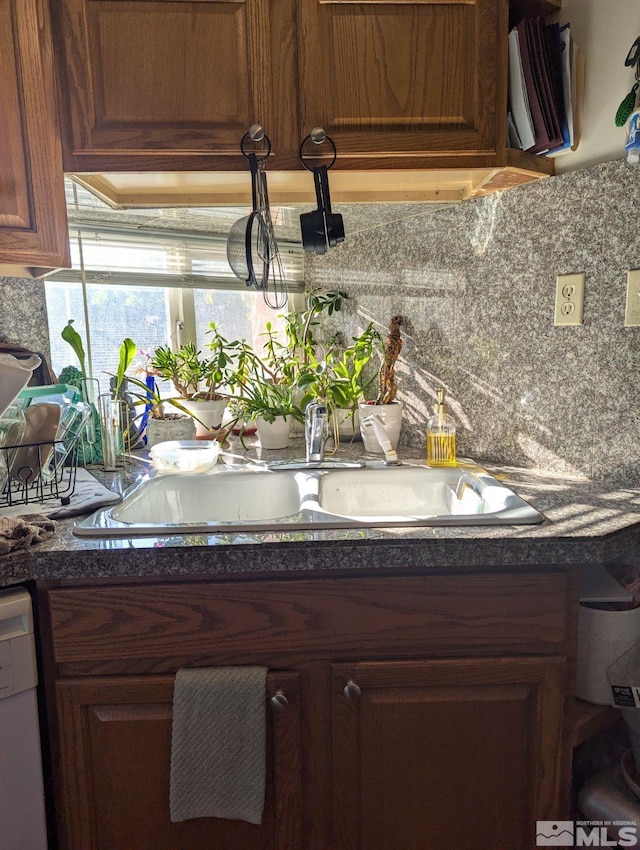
(585,523)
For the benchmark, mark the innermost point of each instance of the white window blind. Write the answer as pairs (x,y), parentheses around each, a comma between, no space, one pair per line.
(132,257)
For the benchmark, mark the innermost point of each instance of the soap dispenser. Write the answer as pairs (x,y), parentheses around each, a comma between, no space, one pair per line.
(441,436)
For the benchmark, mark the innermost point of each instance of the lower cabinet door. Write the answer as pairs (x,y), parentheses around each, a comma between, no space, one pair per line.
(113,787)
(445,753)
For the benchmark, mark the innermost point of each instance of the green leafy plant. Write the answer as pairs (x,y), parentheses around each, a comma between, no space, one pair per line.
(70,334)
(341,376)
(127,353)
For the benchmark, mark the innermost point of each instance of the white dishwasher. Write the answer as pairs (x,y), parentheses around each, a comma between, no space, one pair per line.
(22,812)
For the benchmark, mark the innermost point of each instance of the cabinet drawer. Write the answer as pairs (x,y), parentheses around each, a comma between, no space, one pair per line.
(161,627)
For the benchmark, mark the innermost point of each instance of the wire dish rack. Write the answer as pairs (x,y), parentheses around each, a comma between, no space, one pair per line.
(38,472)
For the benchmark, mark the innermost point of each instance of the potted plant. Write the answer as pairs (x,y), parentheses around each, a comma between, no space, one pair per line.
(160,425)
(342,378)
(386,408)
(199,380)
(269,404)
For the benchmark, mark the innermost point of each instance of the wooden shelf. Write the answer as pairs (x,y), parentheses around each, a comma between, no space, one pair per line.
(590,719)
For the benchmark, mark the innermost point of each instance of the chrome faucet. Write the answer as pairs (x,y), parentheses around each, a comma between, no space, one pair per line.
(315,420)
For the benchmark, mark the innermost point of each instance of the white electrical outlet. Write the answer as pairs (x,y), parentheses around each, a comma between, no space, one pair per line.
(632,312)
(569,299)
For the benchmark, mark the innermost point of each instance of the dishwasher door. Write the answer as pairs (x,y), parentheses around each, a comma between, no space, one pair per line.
(22,812)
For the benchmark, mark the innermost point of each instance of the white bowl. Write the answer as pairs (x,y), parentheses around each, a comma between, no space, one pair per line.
(185,455)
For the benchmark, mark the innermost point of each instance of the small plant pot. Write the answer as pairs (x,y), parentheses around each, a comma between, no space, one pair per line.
(348,422)
(209,413)
(172,427)
(274,435)
(391,418)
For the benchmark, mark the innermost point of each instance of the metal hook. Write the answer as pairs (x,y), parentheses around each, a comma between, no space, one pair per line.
(256,133)
(318,136)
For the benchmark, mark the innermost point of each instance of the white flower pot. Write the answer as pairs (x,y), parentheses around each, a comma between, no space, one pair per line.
(348,423)
(274,435)
(209,413)
(171,428)
(391,417)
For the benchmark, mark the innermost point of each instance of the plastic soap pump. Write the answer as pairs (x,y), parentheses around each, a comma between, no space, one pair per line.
(441,436)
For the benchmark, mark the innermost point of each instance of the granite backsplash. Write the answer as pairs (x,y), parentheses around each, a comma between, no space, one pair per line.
(475,283)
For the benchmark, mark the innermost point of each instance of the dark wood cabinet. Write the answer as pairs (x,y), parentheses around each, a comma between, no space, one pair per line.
(172,85)
(115,770)
(418,83)
(422,711)
(33,215)
(445,753)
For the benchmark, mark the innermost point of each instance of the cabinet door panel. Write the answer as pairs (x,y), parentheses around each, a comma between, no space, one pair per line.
(115,740)
(32,205)
(446,753)
(180,76)
(409,78)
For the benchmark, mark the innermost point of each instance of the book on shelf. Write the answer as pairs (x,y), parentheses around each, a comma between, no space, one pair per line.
(546,79)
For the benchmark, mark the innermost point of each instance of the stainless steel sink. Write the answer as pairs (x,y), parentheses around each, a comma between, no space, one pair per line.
(251,498)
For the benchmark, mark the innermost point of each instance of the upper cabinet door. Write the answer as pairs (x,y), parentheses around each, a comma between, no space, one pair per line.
(418,81)
(33,218)
(162,84)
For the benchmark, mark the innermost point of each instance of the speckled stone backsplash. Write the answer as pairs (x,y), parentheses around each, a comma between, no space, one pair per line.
(476,283)
(23,313)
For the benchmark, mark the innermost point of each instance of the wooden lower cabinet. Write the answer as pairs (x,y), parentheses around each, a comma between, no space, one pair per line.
(423,713)
(445,753)
(116,750)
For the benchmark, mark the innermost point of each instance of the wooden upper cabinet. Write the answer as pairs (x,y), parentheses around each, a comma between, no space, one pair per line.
(172,84)
(33,222)
(420,81)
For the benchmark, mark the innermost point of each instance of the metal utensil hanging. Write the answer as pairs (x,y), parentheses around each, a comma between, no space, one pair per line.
(252,250)
(321,228)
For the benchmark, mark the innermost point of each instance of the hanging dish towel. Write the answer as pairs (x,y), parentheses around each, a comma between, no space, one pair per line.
(218,744)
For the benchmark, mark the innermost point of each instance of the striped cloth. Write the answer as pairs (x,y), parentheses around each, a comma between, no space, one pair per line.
(218,744)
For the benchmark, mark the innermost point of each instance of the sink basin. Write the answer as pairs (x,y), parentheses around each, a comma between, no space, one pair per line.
(250,499)
(240,496)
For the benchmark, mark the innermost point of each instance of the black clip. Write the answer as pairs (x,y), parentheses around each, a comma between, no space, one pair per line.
(633,54)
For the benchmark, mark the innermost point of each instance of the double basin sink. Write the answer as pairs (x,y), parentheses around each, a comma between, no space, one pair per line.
(253,498)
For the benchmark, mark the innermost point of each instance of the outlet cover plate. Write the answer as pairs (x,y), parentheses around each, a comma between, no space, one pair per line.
(569,299)
(632,311)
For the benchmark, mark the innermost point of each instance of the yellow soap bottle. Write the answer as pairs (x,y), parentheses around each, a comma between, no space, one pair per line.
(441,436)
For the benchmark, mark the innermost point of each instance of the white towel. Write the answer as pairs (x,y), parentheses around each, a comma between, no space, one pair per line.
(88,495)
(218,744)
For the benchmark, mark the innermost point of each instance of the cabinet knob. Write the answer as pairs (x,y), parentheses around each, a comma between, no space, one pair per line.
(279,701)
(352,691)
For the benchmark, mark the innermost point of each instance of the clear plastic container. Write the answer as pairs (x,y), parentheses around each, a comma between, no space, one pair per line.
(194,456)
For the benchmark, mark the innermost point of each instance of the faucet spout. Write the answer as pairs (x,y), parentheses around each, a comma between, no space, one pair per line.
(315,420)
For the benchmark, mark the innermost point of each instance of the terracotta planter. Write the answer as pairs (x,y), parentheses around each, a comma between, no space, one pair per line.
(209,413)
(171,428)
(391,417)
(274,435)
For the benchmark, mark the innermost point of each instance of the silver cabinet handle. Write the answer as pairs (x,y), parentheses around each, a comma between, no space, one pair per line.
(279,701)
(352,691)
